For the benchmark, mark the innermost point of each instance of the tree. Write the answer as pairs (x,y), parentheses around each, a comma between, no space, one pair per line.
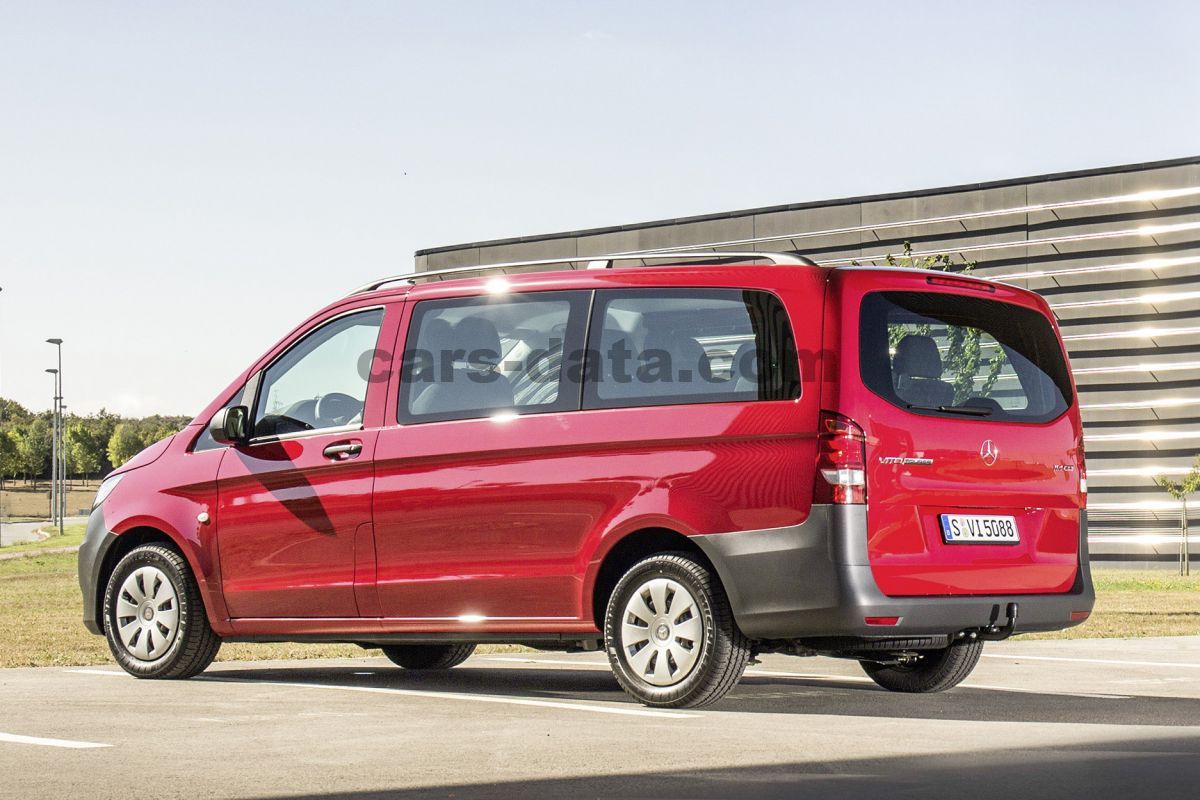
(87,447)
(964,348)
(125,443)
(35,445)
(1180,490)
(160,427)
(87,442)
(13,412)
(10,457)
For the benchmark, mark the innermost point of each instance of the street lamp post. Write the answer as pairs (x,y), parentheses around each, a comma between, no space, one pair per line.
(54,454)
(60,508)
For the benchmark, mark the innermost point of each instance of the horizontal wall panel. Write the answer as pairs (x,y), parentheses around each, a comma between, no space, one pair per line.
(1118,258)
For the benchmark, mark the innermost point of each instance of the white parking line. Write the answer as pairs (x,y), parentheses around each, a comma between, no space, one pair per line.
(563,661)
(13,738)
(1167,664)
(762,673)
(479,698)
(983,686)
(1051,692)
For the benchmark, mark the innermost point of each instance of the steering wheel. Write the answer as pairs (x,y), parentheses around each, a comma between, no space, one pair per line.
(338,408)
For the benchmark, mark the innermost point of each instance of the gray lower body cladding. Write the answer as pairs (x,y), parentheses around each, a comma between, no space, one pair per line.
(814,580)
(96,543)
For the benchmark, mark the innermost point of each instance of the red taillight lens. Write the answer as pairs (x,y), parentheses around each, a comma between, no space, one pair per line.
(841,461)
(889,622)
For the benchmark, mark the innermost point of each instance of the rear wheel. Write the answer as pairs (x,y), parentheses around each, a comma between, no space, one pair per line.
(670,634)
(931,671)
(154,618)
(428,656)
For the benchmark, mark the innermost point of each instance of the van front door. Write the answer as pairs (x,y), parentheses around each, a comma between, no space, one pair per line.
(294,499)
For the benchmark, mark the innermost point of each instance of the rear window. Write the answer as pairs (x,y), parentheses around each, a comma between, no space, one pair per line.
(654,347)
(957,356)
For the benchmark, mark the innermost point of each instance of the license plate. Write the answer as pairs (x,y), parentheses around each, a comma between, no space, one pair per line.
(979,529)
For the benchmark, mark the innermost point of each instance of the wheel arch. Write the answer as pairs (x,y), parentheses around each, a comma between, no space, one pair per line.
(125,543)
(629,550)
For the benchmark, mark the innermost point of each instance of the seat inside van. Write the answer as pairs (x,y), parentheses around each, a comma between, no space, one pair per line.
(917,373)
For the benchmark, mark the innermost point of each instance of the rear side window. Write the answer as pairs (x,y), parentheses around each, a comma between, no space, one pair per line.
(473,357)
(952,355)
(669,346)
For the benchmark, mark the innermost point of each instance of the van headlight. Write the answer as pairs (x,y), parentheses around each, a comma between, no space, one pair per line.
(106,488)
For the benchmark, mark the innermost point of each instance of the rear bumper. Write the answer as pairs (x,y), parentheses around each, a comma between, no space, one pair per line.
(814,580)
(97,541)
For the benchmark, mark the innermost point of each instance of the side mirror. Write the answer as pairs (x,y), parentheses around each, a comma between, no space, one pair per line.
(229,425)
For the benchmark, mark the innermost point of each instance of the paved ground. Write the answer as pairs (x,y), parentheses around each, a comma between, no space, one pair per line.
(17,532)
(1094,719)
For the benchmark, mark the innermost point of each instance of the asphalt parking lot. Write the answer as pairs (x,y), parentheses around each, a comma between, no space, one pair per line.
(1090,718)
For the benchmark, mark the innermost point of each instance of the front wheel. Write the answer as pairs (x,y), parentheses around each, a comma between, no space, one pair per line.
(154,617)
(670,634)
(428,656)
(932,671)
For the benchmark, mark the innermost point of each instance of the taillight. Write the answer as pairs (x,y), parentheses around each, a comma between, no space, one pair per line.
(841,461)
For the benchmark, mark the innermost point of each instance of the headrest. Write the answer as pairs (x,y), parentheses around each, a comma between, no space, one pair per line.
(917,357)
(471,334)
(435,334)
(686,353)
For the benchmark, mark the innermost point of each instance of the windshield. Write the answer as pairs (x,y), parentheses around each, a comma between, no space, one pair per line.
(954,355)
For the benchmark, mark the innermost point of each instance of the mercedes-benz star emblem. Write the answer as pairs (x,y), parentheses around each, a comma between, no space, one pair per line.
(989,452)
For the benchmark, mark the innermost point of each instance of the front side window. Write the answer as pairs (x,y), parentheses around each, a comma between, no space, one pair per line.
(954,355)
(671,346)
(473,357)
(321,382)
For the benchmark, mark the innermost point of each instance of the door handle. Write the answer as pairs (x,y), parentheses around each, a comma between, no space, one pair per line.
(343,450)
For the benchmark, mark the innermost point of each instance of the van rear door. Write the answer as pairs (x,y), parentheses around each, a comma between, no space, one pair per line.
(974,463)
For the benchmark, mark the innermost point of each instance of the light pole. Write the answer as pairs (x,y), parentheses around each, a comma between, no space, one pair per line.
(54,453)
(60,464)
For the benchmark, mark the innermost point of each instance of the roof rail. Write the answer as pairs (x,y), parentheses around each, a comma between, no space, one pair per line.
(604,261)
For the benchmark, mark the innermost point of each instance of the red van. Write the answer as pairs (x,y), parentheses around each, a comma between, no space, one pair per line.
(687,464)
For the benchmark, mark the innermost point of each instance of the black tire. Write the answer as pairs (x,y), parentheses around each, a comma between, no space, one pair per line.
(428,656)
(724,651)
(934,671)
(194,644)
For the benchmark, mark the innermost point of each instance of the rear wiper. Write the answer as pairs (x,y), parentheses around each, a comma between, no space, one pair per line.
(970,411)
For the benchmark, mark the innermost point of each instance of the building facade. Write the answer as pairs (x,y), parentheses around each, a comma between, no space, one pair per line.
(1116,252)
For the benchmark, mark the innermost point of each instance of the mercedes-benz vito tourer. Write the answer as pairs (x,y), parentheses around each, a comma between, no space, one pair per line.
(685,464)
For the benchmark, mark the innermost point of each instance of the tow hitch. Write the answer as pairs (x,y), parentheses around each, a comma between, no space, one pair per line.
(993,632)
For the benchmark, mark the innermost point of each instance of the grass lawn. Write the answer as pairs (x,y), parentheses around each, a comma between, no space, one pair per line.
(1139,603)
(41,620)
(41,611)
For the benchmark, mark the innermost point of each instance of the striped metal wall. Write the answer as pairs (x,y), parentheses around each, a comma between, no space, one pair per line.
(1115,251)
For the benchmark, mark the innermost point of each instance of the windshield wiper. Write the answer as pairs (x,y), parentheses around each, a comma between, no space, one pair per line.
(970,411)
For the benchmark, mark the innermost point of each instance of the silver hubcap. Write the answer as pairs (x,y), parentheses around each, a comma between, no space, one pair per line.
(661,632)
(147,613)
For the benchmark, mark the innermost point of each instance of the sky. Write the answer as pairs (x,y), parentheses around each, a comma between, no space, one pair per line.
(182,183)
